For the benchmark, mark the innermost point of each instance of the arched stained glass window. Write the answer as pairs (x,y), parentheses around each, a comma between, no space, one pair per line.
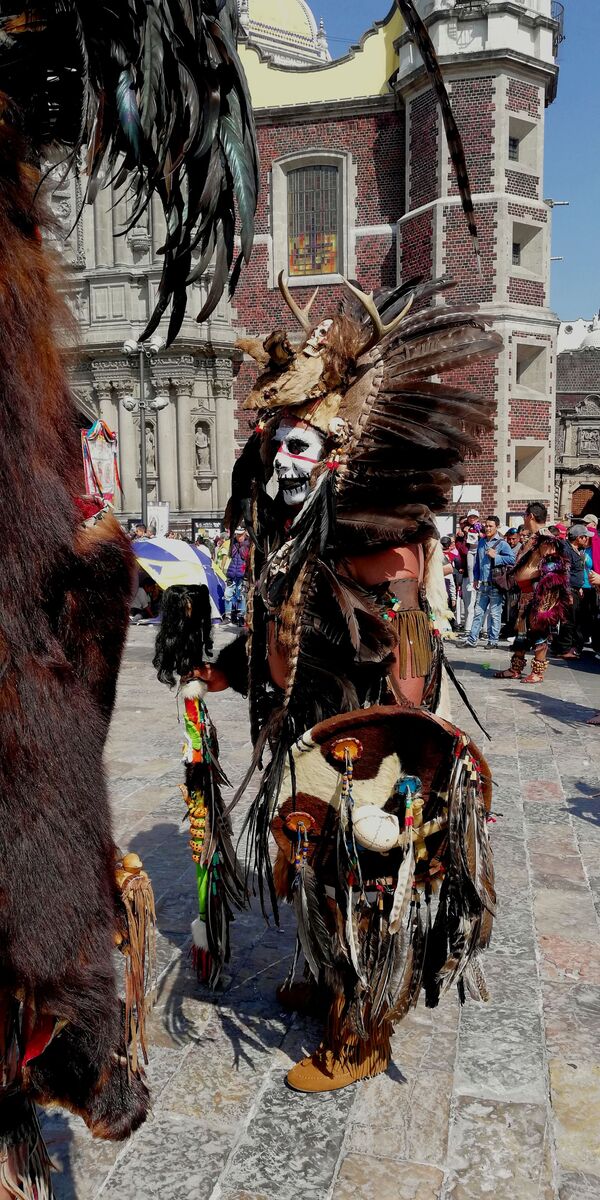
(313,221)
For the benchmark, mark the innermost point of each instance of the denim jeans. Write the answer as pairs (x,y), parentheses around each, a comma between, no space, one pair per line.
(492,598)
(235,593)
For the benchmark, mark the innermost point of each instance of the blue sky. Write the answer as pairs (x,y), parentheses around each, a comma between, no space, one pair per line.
(572,142)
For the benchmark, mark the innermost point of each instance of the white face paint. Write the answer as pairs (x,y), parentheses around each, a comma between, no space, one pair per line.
(299,449)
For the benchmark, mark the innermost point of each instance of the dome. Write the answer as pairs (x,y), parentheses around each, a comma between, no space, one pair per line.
(286,32)
(591,340)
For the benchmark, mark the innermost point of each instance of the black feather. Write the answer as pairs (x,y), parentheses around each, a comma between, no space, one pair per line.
(418,32)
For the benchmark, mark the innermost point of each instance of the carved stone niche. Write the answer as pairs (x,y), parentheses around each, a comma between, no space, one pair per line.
(203,448)
(588,442)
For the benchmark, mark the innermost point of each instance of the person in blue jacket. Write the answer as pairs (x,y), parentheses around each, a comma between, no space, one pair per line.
(492,553)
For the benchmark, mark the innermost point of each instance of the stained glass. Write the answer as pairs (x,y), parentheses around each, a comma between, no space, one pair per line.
(313,221)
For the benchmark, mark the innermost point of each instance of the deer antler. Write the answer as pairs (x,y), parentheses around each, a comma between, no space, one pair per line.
(379,329)
(301,314)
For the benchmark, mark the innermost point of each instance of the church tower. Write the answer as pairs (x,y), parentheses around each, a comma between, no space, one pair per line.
(499,63)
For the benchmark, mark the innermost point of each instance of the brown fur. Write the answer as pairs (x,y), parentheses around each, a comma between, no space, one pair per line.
(63,612)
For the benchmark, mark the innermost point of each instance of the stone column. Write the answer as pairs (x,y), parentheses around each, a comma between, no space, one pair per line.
(166,428)
(222,389)
(183,388)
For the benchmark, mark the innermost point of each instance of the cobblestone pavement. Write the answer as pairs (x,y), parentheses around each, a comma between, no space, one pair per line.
(500,1100)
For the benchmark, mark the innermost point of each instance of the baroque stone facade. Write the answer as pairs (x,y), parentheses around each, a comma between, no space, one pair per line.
(578,429)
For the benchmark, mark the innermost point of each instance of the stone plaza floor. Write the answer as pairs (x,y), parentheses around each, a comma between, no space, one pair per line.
(499,1100)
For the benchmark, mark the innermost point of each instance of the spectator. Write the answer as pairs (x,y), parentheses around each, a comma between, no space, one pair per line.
(203,539)
(235,591)
(460,572)
(522,534)
(472,529)
(449,557)
(592,523)
(493,554)
(590,614)
(222,555)
(139,531)
(511,595)
(140,605)
(570,640)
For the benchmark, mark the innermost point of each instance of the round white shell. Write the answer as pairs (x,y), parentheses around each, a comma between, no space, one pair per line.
(375,829)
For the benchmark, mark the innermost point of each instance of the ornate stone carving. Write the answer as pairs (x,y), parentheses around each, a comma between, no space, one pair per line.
(589,442)
(183,387)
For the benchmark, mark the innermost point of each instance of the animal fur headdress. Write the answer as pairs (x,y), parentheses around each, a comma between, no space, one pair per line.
(395,436)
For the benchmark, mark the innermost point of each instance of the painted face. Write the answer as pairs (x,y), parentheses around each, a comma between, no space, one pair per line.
(299,449)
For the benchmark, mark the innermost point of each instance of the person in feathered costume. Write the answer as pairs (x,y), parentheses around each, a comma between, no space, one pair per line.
(155,92)
(376,804)
(377,811)
(541,572)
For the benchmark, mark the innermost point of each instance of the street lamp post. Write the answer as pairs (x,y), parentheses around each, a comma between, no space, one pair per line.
(144,350)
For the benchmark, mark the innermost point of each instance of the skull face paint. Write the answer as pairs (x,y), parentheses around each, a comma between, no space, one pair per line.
(299,449)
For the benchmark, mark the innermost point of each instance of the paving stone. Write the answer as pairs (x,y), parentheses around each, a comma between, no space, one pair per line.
(81,1162)
(569,959)
(171,1157)
(393,1117)
(500,1053)
(574,915)
(572,1019)
(374,1179)
(278,1153)
(575,1093)
(546,812)
(576,1185)
(498,1151)
(237,1195)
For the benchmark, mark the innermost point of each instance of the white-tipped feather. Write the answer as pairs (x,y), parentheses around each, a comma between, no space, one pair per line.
(199,935)
(403,890)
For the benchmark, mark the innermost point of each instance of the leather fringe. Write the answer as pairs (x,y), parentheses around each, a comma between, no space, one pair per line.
(140,963)
(348,1047)
(415,652)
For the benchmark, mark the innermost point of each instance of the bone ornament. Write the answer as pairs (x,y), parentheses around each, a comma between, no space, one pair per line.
(375,829)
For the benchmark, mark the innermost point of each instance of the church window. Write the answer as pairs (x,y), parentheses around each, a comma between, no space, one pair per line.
(313,220)
(513,149)
(516,254)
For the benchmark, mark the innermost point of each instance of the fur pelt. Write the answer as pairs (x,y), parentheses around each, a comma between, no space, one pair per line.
(63,614)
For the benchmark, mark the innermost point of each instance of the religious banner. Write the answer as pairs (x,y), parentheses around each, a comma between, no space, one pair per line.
(99,448)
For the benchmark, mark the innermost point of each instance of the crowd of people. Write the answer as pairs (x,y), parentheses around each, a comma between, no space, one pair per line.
(484,597)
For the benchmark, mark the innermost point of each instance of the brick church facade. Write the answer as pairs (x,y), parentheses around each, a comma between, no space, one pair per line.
(399,214)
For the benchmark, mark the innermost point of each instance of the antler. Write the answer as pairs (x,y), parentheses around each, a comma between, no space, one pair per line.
(379,329)
(301,314)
